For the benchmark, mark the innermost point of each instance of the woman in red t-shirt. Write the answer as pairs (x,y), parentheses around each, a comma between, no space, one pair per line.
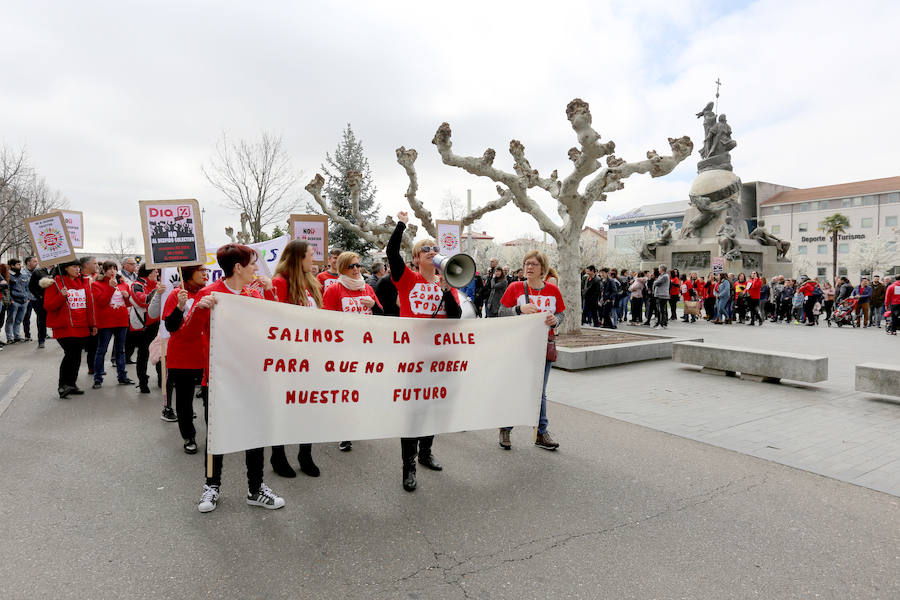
(70,313)
(184,352)
(674,292)
(110,296)
(295,283)
(421,294)
(527,297)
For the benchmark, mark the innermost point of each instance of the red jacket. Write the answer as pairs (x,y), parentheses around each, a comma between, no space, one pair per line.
(808,288)
(197,322)
(674,287)
(112,305)
(892,296)
(72,315)
(183,351)
(688,288)
(754,288)
(141,293)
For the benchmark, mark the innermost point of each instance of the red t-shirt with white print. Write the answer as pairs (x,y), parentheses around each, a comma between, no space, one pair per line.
(419,298)
(327,279)
(339,298)
(547,299)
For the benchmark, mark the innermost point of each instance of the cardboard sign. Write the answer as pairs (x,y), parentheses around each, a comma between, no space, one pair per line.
(718,265)
(283,374)
(313,229)
(75,225)
(449,235)
(173,234)
(50,238)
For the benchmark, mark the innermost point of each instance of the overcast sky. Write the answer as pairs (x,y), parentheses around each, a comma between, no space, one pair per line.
(121,101)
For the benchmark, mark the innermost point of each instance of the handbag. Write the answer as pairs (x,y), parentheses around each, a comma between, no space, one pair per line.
(552,355)
(692,307)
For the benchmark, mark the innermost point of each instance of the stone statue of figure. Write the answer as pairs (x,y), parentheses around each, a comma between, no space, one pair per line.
(648,250)
(721,141)
(727,235)
(709,120)
(229,231)
(767,239)
(708,211)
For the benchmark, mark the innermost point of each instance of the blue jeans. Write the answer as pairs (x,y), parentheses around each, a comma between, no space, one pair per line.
(877,315)
(721,309)
(542,419)
(15,314)
(117,335)
(623,308)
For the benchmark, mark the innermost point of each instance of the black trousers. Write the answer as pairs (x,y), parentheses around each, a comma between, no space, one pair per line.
(68,367)
(637,305)
(254,459)
(90,347)
(662,311)
(142,341)
(130,344)
(753,304)
(40,314)
(183,382)
(895,317)
(651,309)
(409,447)
(673,302)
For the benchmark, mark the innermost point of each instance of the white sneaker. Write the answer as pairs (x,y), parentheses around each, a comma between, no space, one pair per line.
(208,499)
(265,498)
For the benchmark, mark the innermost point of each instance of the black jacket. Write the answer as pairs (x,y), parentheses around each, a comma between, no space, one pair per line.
(592,290)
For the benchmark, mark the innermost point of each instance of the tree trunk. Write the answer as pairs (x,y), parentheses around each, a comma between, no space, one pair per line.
(570,283)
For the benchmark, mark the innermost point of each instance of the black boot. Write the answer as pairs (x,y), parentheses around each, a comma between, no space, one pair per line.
(306,462)
(409,476)
(280,463)
(145,388)
(426,459)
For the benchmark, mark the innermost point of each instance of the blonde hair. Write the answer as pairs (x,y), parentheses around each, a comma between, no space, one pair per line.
(541,258)
(299,282)
(345,260)
(417,247)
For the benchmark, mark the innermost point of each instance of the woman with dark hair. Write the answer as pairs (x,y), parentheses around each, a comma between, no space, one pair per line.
(741,299)
(649,300)
(754,298)
(412,287)
(142,326)
(497,284)
(636,291)
(69,305)
(295,283)
(674,291)
(351,294)
(238,263)
(184,353)
(110,296)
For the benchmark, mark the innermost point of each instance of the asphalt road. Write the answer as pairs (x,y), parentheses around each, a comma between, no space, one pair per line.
(97,500)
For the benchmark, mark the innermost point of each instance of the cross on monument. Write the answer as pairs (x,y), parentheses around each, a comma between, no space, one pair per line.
(718,84)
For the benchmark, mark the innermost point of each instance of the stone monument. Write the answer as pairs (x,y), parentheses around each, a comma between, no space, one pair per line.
(714,225)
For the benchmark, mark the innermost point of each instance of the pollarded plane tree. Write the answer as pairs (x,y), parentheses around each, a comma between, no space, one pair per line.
(572,203)
(380,233)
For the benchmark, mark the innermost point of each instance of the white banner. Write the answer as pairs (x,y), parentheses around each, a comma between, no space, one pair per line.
(282,374)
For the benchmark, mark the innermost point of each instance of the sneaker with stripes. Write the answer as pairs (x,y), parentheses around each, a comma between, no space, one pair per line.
(208,499)
(265,497)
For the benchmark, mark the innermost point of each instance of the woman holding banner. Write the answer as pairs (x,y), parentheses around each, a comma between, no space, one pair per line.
(295,283)
(527,297)
(351,294)
(238,263)
(184,353)
(69,305)
(421,284)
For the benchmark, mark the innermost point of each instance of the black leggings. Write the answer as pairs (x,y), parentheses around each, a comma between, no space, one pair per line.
(142,340)
(184,380)
(636,309)
(68,367)
(254,459)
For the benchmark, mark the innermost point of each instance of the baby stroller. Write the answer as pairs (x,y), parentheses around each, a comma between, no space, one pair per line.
(843,312)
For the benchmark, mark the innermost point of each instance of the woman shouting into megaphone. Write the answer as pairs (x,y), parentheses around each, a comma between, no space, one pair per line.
(421,295)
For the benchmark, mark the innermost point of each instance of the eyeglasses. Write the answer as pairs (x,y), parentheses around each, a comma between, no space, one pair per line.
(532,264)
(428,248)
(355,266)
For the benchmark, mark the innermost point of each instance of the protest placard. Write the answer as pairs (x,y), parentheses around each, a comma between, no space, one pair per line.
(75,225)
(449,235)
(173,233)
(50,238)
(718,265)
(313,229)
(282,374)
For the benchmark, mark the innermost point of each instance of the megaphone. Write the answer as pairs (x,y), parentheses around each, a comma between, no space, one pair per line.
(458,270)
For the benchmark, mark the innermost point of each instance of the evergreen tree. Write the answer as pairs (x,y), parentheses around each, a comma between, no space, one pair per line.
(349,157)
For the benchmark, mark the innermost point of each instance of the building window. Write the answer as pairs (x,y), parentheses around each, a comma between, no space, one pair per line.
(890,221)
(842,271)
(845,203)
(891,198)
(776,229)
(866,222)
(776,210)
(801,249)
(843,248)
(802,227)
(870,200)
(822,249)
(821,271)
(802,207)
(891,246)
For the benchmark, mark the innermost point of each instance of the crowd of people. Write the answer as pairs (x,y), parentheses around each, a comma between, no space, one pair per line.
(725,298)
(93,309)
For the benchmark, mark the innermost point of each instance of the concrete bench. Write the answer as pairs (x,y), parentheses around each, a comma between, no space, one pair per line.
(878,378)
(754,365)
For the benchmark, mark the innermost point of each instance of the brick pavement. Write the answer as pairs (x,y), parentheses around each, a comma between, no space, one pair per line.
(825,428)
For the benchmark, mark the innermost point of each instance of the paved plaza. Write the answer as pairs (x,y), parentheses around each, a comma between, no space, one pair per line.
(97,499)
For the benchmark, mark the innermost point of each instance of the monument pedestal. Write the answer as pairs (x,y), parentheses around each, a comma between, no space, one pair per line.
(693,254)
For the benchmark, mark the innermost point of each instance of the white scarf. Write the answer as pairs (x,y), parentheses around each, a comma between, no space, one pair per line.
(352,284)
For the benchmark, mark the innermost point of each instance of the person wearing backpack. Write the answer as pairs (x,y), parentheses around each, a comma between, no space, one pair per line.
(142,327)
